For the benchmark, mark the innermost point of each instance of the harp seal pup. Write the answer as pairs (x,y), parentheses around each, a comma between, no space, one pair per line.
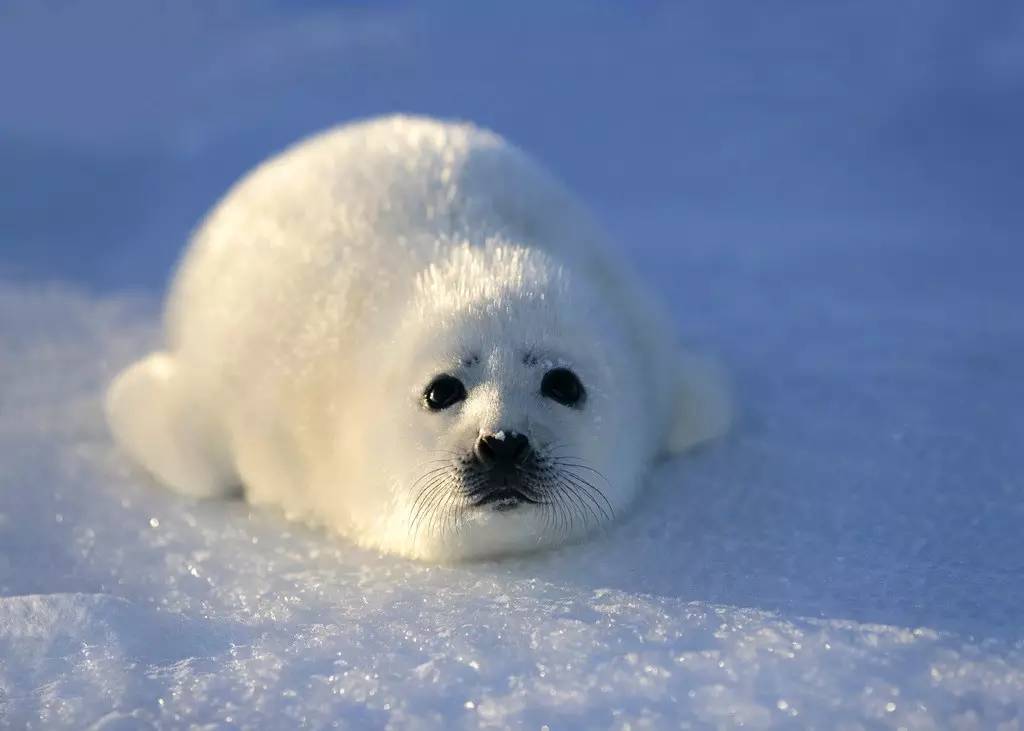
(406,330)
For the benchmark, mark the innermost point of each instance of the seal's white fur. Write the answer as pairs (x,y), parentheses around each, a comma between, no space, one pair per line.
(337,279)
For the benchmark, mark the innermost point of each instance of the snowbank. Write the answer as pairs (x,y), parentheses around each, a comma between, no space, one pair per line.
(807,570)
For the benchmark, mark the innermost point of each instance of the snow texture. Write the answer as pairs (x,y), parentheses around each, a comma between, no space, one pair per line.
(828,194)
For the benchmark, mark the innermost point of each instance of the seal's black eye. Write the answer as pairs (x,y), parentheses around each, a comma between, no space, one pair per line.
(563,386)
(444,391)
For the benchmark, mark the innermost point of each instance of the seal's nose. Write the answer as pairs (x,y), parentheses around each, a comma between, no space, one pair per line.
(501,449)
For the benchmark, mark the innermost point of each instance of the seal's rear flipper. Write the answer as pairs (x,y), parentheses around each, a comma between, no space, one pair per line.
(703,406)
(167,434)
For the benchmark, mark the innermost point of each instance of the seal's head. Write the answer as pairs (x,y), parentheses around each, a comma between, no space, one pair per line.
(517,417)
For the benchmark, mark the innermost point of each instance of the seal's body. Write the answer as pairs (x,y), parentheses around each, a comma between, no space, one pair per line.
(406,330)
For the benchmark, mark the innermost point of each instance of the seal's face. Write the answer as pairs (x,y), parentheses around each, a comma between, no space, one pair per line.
(511,460)
(521,429)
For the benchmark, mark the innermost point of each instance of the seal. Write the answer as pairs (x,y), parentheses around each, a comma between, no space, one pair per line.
(406,330)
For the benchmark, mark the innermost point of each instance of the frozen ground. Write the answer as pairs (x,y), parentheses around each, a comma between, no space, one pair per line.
(829,198)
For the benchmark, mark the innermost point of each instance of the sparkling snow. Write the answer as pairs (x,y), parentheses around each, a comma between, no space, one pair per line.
(830,198)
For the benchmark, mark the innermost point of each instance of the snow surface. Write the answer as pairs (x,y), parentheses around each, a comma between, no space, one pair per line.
(828,194)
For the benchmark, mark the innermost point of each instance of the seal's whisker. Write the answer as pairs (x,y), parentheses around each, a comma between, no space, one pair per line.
(445,451)
(581,507)
(429,480)
(417,520)
(554,448)
(561,513)
(458,514)
(448,517)
(418,507)
(588,501)
(590,491)
(428,500)
(580,465)
(430,495)
(439,515)
(442,461)
(570,467)
(436,509)
(554,481)
(440,502)
(429,474)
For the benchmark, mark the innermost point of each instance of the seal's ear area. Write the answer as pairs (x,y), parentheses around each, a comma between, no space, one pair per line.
(164,432)
(702,404)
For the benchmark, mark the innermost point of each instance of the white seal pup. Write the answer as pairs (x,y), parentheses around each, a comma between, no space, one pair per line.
(406,330)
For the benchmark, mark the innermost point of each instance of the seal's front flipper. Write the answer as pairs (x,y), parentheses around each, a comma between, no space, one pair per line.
(172,437)
(702,404)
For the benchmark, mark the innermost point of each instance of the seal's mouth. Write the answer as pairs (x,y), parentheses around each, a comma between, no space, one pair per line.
(560,490)
(503,498)
(502,492)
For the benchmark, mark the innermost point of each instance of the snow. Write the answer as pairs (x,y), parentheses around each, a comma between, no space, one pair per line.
(829,198)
